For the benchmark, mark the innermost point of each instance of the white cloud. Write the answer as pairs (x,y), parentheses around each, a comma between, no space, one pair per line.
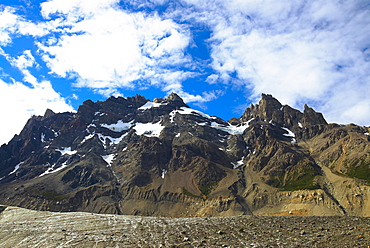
(212,79)
(299,51)
(75,9)
(358,113)
(7,25)
(315,51)
(24,61)
(108,92)
(20,102)
(107,48)
(13,24)
(200,99)
(289,68)
(348,102)
(171,44)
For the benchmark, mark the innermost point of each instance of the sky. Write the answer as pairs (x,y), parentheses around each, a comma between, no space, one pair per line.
(218,55)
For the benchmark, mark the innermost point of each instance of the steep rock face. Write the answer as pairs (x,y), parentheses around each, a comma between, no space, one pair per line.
(135,156)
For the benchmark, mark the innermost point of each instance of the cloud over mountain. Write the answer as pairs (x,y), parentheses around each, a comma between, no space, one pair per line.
(206,51)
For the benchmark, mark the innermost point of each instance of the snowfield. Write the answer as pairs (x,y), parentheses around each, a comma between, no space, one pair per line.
(119,126)
(66,150)
(150,105)
(109,159)
(148,129)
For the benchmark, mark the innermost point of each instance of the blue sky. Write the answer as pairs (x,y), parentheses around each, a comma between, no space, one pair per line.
(219,56)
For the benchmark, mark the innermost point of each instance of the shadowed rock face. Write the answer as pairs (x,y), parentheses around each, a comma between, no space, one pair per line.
(161,158)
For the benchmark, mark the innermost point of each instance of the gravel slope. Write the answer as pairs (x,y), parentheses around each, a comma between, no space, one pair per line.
(26,228)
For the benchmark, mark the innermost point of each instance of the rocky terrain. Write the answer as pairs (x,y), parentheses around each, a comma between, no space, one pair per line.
(134,156)
(26,228)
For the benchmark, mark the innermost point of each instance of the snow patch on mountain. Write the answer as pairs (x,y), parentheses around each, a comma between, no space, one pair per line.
(150,105)
(172,116)
(231,129)
(56,133)
(90,125)
(239,129)
(66,150)
(109,159)
(238,163)
(148,129)
(16,168)
(190,111)
(52,170)
(105,138)
(119,126)
(164,171)
(88,137)
(100,113)
(289,134)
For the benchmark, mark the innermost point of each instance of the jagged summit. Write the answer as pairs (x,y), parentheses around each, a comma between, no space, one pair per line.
(270,109)
(311,117)
(174,97)
(136,156)
(48,113)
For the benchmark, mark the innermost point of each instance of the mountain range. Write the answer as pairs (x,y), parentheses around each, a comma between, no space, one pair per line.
(161,158)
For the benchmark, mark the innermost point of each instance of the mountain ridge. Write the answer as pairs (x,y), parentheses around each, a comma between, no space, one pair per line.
(162,158)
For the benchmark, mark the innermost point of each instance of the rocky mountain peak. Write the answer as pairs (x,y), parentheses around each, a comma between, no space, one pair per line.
(268,102)
(136,156)
(311,117)
(137,98)
(48,113)
(173,100)
(270,109)
(174,97)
